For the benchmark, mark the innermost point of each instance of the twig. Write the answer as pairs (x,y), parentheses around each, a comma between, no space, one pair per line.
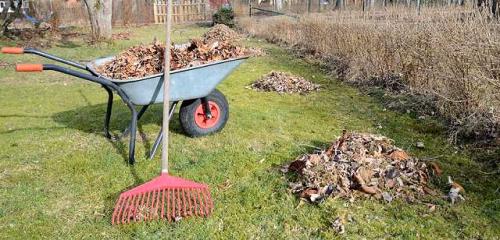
(489,173)
(311,146)
(431,158)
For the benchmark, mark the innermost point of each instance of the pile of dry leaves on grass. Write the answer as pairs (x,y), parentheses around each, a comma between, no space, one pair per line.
(218,43)
(282,82)
(222,33)
(361,165)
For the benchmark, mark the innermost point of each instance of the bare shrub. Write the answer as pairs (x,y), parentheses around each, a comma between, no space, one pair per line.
(449,55)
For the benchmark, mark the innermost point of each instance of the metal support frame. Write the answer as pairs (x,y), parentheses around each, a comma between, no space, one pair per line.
(139,115)
(158,140)
(206,107)
(108,112)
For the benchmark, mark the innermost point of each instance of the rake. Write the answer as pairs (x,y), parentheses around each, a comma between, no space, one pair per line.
(164,197)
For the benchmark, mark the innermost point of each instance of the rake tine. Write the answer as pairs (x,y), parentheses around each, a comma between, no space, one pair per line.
(149,209)
(202,202)
(141,196)
(124,209)
(155,212)
(158,204)
(163,196)
(162,204)
(135,210)
(168,205)
(210,202)
(178,203)
(130,209)
(196,202)
(184,202)
(206,202)
(117,209)
(190,206)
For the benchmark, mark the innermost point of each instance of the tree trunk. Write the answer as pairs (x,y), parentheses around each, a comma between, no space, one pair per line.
(338,5)
(494,8)
(7,18)
(134,11)
(100,16)
(279,5)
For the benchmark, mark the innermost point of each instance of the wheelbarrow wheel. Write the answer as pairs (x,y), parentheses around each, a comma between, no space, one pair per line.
(194,120)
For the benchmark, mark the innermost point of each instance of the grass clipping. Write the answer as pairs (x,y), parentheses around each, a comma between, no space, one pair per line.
(219,43)
(360,165)
(282,82)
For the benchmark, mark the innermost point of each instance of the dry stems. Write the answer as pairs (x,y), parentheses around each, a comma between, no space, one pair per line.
(449,55)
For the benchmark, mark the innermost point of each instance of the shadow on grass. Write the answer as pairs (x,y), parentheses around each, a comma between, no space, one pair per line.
(67,44)
(90,119)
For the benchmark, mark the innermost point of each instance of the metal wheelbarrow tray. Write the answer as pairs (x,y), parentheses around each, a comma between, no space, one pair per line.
(204,109)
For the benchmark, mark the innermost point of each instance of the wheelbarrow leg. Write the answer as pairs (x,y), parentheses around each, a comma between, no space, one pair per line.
(139,115)
(108,112)
(133,127)
(160,134)
(206,107)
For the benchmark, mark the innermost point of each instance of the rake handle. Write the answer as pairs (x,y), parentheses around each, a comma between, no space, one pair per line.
(166,88)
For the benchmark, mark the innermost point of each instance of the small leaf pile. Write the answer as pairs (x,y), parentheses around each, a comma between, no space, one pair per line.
(360,165)
(282,82)
(221,33)
(144,60)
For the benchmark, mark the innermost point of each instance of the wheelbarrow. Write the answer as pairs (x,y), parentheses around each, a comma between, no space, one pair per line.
(204,109)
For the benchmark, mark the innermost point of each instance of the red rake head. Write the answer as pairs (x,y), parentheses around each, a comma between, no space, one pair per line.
(163,197)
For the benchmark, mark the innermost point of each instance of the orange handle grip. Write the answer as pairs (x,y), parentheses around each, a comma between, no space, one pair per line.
(29,67)
(12,50)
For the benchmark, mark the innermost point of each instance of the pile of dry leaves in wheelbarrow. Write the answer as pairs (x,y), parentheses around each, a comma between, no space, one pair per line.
(219,43)
(361,166)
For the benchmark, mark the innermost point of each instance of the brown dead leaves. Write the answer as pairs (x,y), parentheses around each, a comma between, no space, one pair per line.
(282,82)
(221,33)
(360,165)
(144,60)
(137,61)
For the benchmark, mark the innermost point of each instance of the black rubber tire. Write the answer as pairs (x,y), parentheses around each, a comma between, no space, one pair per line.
(188,111)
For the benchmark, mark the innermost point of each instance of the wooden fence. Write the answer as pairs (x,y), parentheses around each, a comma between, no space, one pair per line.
(182,11)
(125,12)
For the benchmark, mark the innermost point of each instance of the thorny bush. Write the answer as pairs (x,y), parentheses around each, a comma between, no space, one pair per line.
(450,56)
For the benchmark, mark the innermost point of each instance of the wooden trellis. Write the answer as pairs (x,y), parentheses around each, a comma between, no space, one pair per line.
(182,11)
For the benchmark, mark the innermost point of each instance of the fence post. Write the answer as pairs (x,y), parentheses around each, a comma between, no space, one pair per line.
(250,8)
(418,7)
(155,12)
(308,6)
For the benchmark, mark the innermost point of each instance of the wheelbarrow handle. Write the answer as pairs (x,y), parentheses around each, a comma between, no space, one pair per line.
(17,50)
(12,50)
(104,82)
(29,67)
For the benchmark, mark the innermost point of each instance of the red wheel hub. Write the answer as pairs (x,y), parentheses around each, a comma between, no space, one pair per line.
(201,119)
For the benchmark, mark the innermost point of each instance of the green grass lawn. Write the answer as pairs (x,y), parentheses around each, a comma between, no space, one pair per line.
(60,177)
